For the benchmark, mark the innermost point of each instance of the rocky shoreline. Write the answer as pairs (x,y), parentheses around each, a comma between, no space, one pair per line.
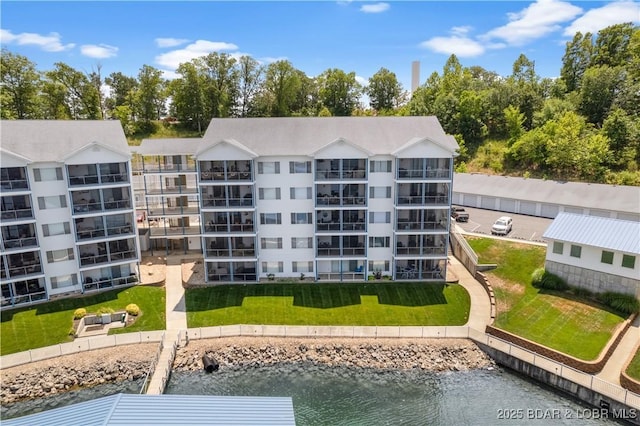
(86,369)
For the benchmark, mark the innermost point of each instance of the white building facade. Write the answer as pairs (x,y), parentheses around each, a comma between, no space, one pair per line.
(333,199)
(595,253)
(68,222)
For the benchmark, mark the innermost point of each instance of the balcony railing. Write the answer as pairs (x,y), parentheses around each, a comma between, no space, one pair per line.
(406,225)
(160,231)
(92,259)
(119,230)
(424,174)
(247,252)
(19,271)
(114,177)
(21,242)
(86,207)
(117,204)
(123,255)
(172,190)
(338,226)
(106,282)
(334,200)
(236,227)
(425,251)
(87,234)
(24,298)
(228,202)
(83,180)
(17,214)
(341,276)
(14,185)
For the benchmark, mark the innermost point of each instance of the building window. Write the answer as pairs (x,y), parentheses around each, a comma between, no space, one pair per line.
(380,192)
(302,243)
(379,217)
(299,166)
(272,267)
(268,167)
(576,251)
(47,174)
(628,261)
(52,202)
(383,166)
(302,266)
(269,193)
(269,243)
(379,265)
(607,257)
(59,255)
(270,218)
(558,247)
(379,241)
(64,281)
(52,229)
(301,218)
(300,193)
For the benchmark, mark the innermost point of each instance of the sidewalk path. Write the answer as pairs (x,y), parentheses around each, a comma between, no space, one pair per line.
(624,351)
(176,308)
(480,312)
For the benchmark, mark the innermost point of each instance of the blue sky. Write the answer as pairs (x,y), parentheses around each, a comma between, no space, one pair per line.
(354,36)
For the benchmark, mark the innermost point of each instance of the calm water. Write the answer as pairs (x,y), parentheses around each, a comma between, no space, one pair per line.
(343,396)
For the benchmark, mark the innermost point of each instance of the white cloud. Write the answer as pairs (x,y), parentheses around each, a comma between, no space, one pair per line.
(364,82)
(462,47)
(172,59)
(170,42)
(610,14)
(99,51)
(535,21)
(170,75)
(462,30)
(374,8)
(48,43)
(271,59)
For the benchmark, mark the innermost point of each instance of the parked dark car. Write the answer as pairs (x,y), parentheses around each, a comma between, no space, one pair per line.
(459,214)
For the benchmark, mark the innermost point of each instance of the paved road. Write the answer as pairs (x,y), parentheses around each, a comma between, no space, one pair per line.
(528,228)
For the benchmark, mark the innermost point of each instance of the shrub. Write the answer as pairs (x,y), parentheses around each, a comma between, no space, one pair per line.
(543,279)
(104,310)
(624,303)
(132,309)
(79,313)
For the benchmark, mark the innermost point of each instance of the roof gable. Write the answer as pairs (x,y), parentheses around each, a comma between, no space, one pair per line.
(226,149)
(95,152)
(341,148)
(11,159)
(423,147)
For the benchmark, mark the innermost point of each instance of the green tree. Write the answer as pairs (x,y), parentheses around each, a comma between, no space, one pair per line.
(423,98)
(384,90)
(19,86)
(612,45)
(598,92)
(122,92)
(251,77)
(221,80)
(150,95)
(53,101)
(577,58)
(469,117)
(82,98)
(187,94)
(514,119)
(281,87)
(339,91)
(624,138)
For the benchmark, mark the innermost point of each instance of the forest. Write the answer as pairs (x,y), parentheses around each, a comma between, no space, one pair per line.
(583,125)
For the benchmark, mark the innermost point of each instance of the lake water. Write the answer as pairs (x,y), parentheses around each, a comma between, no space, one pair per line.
(346,396)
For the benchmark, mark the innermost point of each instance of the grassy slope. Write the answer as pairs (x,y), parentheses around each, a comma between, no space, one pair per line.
(556,320)
(49,323)
(634,367)
(329,304)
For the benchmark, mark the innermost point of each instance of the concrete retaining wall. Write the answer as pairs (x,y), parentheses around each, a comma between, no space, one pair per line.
(594,281)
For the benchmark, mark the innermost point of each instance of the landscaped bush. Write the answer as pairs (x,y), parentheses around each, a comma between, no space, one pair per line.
(132,309)
(79,313)
(104,310)
(624,303)
(543,279)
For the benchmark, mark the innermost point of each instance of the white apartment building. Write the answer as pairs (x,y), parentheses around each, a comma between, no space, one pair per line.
(68,222)
(335,199)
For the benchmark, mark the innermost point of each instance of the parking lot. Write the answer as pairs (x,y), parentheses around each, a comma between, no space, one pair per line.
(528,228)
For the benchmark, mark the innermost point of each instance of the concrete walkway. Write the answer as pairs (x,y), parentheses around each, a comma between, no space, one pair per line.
(480,312)
(624,351)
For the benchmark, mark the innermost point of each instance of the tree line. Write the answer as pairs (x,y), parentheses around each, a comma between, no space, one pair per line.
(583,125)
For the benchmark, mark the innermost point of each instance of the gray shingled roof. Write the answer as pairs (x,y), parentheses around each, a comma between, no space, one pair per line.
(176,146)
(305,135)
(53,140)
(589,195)
(130,409)
(607,233)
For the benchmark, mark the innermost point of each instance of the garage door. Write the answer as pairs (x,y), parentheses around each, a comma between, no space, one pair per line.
(527,207)
(576,210)
(599,213)
(488,203)
(549,210)
(470,200)
(455,198)
(507,205)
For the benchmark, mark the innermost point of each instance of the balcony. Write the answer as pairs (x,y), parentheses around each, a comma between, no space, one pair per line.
(423,194)
(420,269)
(341,246)
(341,270)
(422,245)
(16,207)
(100,200)
(13,179)
(230,247)
(231,271)
(341,195)
(97,174)
(164,163)
(173,230)
(424,168)
(230,170)
(235,196)
(107,252)
(23,292)
(19,236)
(341,169)
(341,220)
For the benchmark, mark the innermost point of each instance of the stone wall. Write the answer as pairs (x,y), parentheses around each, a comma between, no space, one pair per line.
(597,282)
(590,367)
(626,381)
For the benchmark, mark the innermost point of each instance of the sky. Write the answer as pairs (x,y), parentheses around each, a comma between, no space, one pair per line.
(354,36)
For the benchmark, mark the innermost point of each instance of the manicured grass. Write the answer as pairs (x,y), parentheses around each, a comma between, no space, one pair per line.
(49,323)
(634,367)
(558,320)
(328,304)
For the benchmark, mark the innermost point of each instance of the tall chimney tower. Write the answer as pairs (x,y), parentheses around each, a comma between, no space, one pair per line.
(415,75)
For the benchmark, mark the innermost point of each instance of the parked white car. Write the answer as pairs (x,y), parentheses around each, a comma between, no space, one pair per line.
(502,226)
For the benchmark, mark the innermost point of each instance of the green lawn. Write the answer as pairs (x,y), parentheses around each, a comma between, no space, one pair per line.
(49,323)
(634,367)
(557,320)
(369,303)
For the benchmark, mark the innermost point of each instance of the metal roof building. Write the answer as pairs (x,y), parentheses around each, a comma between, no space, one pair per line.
(131,409)
(545,198)
(606,233)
